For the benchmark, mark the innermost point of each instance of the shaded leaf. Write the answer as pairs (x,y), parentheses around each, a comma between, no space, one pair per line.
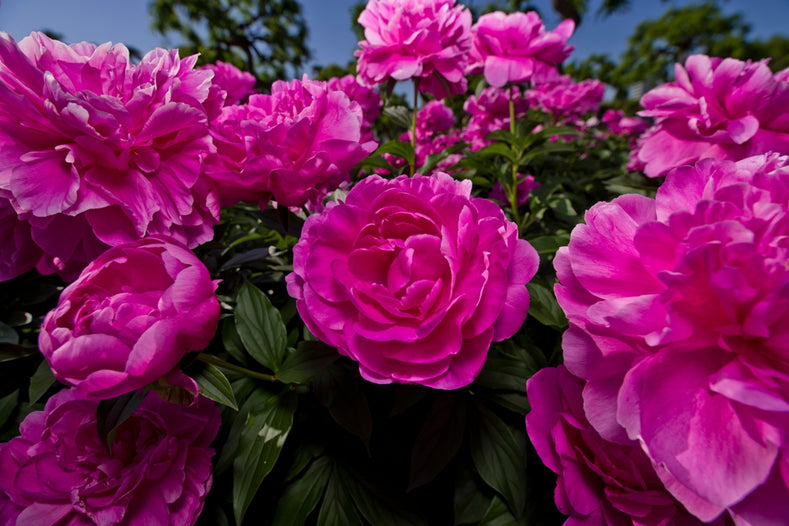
(302,495)
(8,334)
(7,406)
(439,438)
(40,382)
(470,503)
(113,412)
(498,514)
(339,390)
(499,454)
(544,307)
(260,327)
(337,508)
(9,352)
(372,506)
(308,359)
(266,427)
(214,384)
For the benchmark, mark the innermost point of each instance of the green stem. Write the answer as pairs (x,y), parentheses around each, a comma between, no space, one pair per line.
(513,190)
(413,124)
(213,360)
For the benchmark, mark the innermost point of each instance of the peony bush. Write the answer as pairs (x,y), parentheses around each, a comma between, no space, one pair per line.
(505,301)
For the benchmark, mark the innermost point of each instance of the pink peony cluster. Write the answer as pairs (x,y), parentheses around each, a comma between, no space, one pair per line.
(295,145)
(99,151)
(369,100)
(679,325)
(490,111)
(515,47)
(718,108)
(435,132)
(566,99)
(232,84)
(427,41)
(158,469)
(599,482)
(526,183)
(413,278)
(129,318)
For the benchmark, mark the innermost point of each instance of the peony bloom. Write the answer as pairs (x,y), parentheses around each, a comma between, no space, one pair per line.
(679,324)
(515,47)
(130,317)
(158,469)
(490,111)
(98,151)
(434,133)
(412,278)
(234,85)
(566,99)
(18,252)
(424,40)
(621,124)
(526,184)
(369,100)
(719,108)
(599,482)
(295,145)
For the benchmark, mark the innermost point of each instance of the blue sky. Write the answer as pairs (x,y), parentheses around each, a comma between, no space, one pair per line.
(329,21)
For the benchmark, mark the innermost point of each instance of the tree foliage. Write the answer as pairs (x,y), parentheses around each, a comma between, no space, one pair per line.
(265,37)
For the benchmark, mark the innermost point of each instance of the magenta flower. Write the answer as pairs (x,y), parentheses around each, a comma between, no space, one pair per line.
(158,469)
(18,252)
(515,47)
(526,184)
(424,40)
(412,278)
(679,315)
(719,108)
(234,85)
(434,133)
(566,99)
(98,151)
(369,100)
(599,482)
(490,111)
(130,317)
(620,124)
(295,145)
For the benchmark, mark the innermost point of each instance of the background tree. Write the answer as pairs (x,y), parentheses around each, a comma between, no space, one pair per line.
(265,37)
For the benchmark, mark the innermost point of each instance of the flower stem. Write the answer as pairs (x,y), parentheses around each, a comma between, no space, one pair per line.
(513,186)
(413,125)
(213,360)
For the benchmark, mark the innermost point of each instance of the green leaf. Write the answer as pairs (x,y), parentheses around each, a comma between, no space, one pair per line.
(337,508)
(439,438)
(10,352)
(306,361)
(302,496)
(498,514)
(499,454)
(401,149)
(339,390)
(214,384)
(40,382)
(400,115)
(231,341)
(507,367)
(7,405)
(470,503)
(260,327)
(113,412)
(544,307)
(266,427)
(372,504)
(8,334)
(499,148)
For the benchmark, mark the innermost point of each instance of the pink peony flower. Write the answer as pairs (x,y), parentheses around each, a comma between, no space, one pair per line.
(434,134)
(515,47)
(369,100)
(130,317)
(97,151)
(620,124)
(424,40)
(296,145)
(526,185)
(235,85)
(412,278)
(679,313)
(566,99)
(599,481)
(719,108)
(158,469)
(18,252)
(490,111)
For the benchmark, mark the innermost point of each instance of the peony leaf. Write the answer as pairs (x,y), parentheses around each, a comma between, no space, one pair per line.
(7,406)
(544,306)
(499,454)
(40,382)
(508,367)
(373,508)
(339,390)
(497,514)
(337,507)
(268,419)
(231,341)
(397,148)
(214,384)
(8,334)
(113,412)
(307,360)
(302,496)
(470,501)
(439,439)
(260,327)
